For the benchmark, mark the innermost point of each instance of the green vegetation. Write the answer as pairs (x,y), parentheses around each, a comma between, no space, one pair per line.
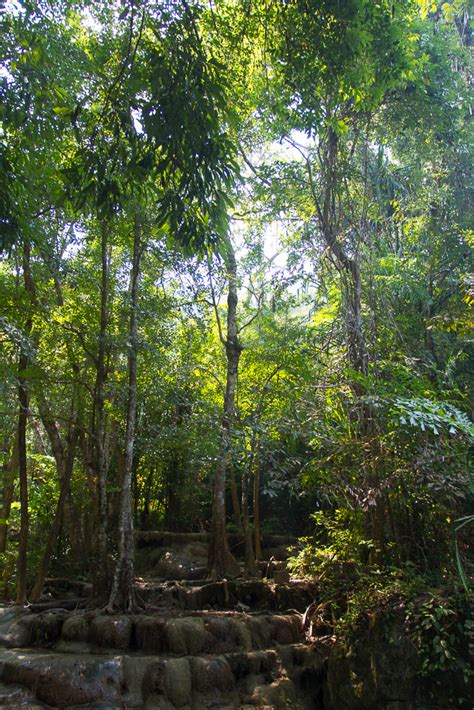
(236,292)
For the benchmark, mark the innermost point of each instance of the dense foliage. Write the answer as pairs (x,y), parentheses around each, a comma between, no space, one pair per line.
(236,271)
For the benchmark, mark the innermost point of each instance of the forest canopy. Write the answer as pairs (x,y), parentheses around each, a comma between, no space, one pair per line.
(236,284)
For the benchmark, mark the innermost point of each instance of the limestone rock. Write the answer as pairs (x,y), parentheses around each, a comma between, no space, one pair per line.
(150,634)
(211,673)
(111,631)
(76,628)
(15,631)
(67,681)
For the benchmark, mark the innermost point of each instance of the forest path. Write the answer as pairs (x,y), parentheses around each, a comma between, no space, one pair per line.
(199,644)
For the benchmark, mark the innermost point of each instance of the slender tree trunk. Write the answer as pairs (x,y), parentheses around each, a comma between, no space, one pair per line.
(221,562)
(250,566)
(256,511)
(377,518)
(122,594)
(235,500)
(145,514)
(10,472)
(73,528)
(61,456)
(135,487)
(173,485)
(100,417)
(65,481)
(23,399)
(23,476)
(84,448)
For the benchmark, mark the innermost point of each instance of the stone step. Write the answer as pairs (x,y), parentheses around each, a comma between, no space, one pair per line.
(255,594)
(16,696)
(176,633)
(271,678)
(258,594)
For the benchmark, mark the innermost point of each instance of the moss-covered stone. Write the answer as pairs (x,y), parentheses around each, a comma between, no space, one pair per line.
(15,626)
(76,628)
(251,663)
(211,673)
(69,680)
(184,636)
(178,684)
(150,634)
(111,631)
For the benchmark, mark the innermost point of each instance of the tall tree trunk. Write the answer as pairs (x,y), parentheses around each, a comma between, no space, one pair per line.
(122,593)
(23,399)
(100,583)
(62,457)
(135,487)
(145,513)
(250,566)
(23,476)
(221,562)
(10,472)
(256,511)
(235,500)
(173,478)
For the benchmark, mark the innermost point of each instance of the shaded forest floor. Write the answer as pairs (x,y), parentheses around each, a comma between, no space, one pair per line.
(197,644)
(273,642)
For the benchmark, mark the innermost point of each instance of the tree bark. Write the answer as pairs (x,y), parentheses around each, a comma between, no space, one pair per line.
(10,472)
(256,512)
(235,500)
(145,513)
(23,399)
(122,594)
(250,566)
(221,562)
(100,583)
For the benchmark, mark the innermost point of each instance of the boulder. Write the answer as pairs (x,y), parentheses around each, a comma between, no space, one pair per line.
(76,628)
(281,693)
(211,673)
(150,634)
(178,682)
(15,626)
(111,631)
(185,562)
(168,679)
(287,629)
(46,628)
(251,663)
